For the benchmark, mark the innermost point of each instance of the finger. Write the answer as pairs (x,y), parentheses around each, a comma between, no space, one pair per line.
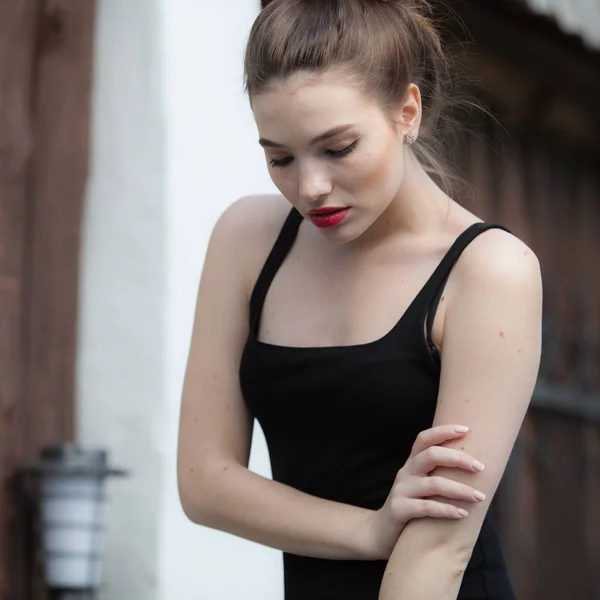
(423,487)
(416,509)
(437,456)
(437,435)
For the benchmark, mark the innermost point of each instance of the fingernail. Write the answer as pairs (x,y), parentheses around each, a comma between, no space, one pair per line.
(462,512)
(461,429)
(479,496)
(478,466)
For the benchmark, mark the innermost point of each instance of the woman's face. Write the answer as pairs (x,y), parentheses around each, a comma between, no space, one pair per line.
(332,151)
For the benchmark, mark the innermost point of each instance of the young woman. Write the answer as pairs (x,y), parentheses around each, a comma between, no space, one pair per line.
(385,338)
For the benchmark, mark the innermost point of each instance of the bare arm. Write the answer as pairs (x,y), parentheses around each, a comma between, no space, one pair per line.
(216,488)
(491,353)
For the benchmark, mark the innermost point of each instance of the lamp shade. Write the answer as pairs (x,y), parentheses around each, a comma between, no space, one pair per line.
(72,515)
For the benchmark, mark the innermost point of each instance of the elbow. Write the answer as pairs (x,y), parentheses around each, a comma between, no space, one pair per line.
(190,503)
(451,561)
(191,507)
(194,498)
(201,493)
(456,554)
(459,557)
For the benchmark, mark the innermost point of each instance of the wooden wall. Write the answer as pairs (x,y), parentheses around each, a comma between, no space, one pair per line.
(548,506)
(45,81)
(537,171)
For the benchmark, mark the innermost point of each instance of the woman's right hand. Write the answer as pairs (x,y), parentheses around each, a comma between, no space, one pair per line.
(410,495)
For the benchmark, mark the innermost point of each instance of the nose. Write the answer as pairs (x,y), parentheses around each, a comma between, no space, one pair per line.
(314,184)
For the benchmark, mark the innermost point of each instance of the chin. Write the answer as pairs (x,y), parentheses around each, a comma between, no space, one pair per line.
(342,234)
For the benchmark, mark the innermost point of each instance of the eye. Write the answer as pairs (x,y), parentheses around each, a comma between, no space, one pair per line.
(281,162)
(344,152)
(284,162)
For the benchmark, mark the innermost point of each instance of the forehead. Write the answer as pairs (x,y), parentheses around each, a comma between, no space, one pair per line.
(311,103)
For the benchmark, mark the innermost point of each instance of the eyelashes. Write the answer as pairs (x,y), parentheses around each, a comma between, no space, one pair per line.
(284,162)
(341,153)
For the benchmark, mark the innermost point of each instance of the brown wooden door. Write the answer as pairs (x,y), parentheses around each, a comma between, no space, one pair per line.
(546,189)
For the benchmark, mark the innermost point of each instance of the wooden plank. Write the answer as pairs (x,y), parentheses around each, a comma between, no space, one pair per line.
(511,203)
(586,250)
(45,88)
(562,504)
(524,518)
(592,514)
(478,172)
(563,66)
(60,169)
(17,36)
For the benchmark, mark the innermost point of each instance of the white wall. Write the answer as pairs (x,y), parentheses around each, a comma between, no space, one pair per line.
(173,144)
(213,158)
(122,334)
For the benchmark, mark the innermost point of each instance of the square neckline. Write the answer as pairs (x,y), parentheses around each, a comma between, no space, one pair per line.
(435,280)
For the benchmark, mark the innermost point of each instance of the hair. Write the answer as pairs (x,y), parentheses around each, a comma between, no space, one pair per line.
(383,44)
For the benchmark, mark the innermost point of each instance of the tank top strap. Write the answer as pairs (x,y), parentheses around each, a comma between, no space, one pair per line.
(433,289)
(282,246)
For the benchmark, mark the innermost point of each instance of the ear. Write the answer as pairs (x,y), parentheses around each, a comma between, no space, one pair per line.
(408,114)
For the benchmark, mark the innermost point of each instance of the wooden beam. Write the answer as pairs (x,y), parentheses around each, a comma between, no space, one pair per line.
(17,45)
(61,111)
(535,45)
(46,55)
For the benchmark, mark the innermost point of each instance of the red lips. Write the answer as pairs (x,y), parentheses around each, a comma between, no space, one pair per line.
(328,216)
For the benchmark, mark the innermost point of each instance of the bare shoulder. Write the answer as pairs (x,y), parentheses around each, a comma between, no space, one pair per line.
(498,259)
(247,230)
(253,217)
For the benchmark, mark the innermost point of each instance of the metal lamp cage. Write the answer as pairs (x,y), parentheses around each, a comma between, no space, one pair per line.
(71,516)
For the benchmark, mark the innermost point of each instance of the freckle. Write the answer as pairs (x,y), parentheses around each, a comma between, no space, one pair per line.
(519,350)
(467,400)
(225,468)
(501,334)
(191,470)
(462,447)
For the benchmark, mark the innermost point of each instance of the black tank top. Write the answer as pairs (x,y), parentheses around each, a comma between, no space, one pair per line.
(341,421)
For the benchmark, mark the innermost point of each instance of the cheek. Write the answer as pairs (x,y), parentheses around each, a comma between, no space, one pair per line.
(380,169)
(282,178)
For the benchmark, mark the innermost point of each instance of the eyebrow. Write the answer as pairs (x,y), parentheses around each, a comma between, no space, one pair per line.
(320,138)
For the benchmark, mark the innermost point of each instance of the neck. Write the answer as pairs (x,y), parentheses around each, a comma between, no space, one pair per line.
(419,208)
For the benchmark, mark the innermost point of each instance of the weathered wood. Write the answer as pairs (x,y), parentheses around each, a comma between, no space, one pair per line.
(478,172)
(561,65)
(59,175)
(561,510)
(45,86)
(538,185)
(17,41)
(512,198)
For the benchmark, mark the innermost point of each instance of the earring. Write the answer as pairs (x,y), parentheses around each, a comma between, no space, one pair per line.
(409,139)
